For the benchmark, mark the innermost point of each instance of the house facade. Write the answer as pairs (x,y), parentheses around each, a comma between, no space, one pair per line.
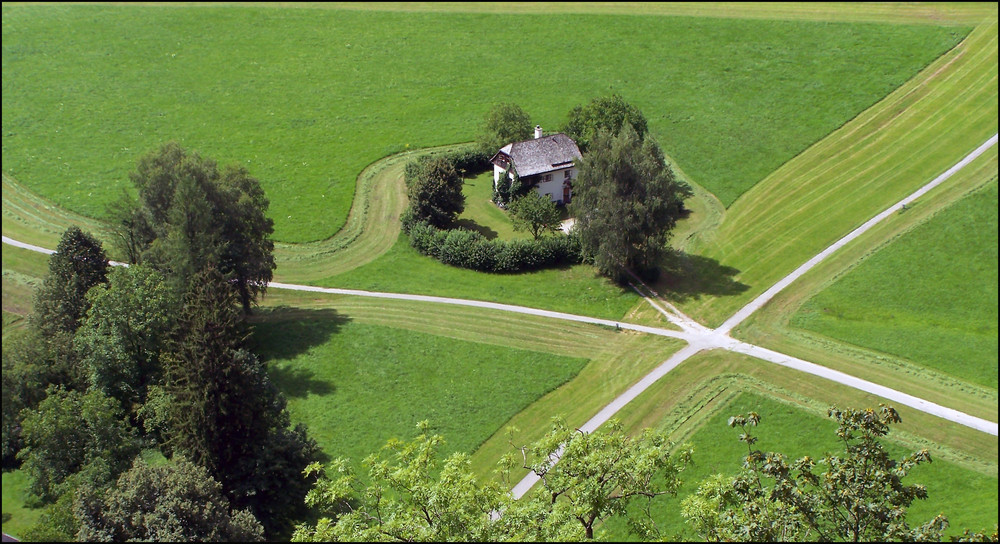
(545,162)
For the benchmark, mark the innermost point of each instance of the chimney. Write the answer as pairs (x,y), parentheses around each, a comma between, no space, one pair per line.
(538,131)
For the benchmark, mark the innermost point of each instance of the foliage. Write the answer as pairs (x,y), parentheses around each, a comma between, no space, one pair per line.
(605,113)
(74,438)
(175,502)
(224,412)
(535,213)
(78,264)
(26,375)
(859,496)
(190,217)
(411,495)
(589,477)
(435,192)
(124,332)
(470,249)
(56,523)
(626,200)
(504,123)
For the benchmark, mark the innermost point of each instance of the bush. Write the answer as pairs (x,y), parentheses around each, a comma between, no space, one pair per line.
(469,249)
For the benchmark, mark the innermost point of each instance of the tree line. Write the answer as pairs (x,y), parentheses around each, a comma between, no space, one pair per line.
(132,400)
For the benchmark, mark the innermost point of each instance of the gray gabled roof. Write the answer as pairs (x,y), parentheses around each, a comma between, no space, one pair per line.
(541,155)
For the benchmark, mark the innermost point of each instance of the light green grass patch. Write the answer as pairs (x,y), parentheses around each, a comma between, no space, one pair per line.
(930,296)
(306,98)
(16,516)
(574,289)
(872,162)
(967,497)
(357,385)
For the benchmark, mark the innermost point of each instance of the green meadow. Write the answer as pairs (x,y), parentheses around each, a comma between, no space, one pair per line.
(795,131)
(881,156)
(930,296)
(357,385)
(967,497)
(306,98)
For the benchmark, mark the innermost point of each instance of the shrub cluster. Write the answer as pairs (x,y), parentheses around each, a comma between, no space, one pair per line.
(470,249)
(465,161)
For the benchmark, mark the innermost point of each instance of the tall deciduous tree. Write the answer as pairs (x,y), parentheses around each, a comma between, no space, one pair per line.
(589,477)
(504,123)
(75,435)
(435,194)
(858,496)
(224,412)
(606,113)
(124,332)
(535,213)
(410,495)
(189,216)
(626,201)
(175,502)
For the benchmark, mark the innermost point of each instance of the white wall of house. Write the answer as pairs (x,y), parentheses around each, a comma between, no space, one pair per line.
(553,187)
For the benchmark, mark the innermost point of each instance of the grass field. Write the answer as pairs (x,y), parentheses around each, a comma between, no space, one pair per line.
(929,297)
(357,385)
(967,497)
(574,289)
(326,105)
(916,133)
(770,327)
(97,86)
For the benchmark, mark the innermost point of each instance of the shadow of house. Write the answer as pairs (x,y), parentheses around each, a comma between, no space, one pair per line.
(684,276)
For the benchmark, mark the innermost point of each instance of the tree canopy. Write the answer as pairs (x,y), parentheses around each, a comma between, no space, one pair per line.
(435,192)
(175,502)
(605,113)
(224,413)
(858,496)
(75,435)
(626,201)
(504,123)
(409,495)
(191,216)
(78,264)
(535,213)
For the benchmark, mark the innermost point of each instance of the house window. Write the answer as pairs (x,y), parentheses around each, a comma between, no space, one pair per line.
(567,176)
(547,177)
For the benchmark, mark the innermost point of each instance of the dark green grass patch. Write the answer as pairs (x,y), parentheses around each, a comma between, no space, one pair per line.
(574,289)
(305,98)
(930,296)
(357,385)
(968,498)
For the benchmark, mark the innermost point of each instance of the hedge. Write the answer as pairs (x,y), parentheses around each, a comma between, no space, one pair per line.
(470,249)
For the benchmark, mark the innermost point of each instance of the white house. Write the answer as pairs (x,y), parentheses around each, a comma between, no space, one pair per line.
(545,162)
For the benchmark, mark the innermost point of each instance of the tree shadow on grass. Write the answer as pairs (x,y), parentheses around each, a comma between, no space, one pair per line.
(281,334)
(469,224)
(684,276)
